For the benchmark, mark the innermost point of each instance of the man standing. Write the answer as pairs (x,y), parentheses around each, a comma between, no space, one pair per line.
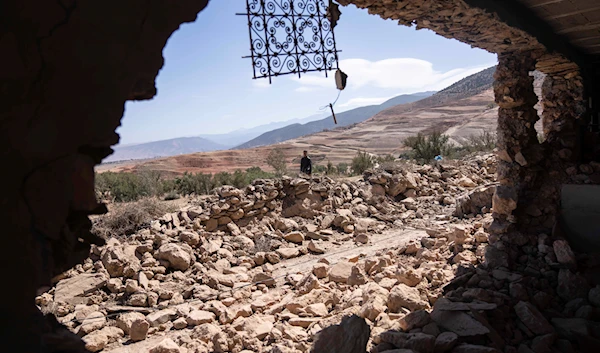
(306,164)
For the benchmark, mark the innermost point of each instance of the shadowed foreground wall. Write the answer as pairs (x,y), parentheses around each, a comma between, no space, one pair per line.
(67,68)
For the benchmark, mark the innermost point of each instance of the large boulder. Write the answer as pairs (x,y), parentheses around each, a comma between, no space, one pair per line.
(177,257)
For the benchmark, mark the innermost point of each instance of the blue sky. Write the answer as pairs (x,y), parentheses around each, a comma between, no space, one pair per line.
(206,87)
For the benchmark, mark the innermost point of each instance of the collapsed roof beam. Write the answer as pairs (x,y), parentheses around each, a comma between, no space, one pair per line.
(518,15)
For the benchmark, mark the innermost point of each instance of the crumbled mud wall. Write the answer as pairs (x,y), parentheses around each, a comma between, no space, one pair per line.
(67,69)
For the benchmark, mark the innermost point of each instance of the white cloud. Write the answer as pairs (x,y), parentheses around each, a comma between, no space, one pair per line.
(362,101)
(401,74)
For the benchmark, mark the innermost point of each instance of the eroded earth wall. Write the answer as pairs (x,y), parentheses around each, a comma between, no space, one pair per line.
(67,69)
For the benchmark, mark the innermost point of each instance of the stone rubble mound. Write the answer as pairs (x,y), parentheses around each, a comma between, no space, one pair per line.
(202,279)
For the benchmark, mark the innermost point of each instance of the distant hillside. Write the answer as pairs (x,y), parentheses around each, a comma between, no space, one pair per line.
(468,110)
(164,148)
(346,118)
(467,87)
(237,137)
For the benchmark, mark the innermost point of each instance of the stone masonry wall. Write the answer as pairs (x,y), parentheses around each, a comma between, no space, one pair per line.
(528,169)
(517,138)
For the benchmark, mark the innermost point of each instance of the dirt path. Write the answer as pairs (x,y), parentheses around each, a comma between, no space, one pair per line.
(337,250)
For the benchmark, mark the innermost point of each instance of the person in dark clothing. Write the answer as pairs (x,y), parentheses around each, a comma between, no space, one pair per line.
(306,164)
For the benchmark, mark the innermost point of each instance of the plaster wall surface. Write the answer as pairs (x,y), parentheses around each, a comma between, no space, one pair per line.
(580,213)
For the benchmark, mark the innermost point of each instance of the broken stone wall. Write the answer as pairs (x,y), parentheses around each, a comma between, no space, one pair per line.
(67,69)
(518,148)
(531,173)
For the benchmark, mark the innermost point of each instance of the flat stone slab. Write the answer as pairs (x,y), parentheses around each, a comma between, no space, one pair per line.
(73,290)
(458,322)
(457,306)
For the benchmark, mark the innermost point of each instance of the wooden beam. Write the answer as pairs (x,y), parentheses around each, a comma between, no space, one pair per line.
(520,16)
(581,28)
(550,2)
(577,40)
(573,13)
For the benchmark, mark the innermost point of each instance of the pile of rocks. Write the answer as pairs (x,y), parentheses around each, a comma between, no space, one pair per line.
(202,278)
(539,305)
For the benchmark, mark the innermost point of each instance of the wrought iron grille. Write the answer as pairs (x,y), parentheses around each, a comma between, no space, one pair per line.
(290,37)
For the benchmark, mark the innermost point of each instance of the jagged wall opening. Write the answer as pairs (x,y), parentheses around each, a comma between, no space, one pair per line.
(67,69)
(69,66)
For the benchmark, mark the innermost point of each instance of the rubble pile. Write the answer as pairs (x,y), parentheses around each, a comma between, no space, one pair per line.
(541,303)
(203,279)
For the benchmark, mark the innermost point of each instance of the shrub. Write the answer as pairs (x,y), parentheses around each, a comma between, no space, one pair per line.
(276,160)
(361,162)
(171,196)
(198,183)
(254,173)
(426,147)
(127,218)
(491,105)
(342,168)
(385,158)
(222,178)
(151,182)
(127,187)
(330,168)
(122,187)
(319,168)
(485,141)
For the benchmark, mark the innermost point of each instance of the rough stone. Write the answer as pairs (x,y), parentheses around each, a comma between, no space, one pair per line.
(288,253)
(350,336)
(95,341)
(178,258)
(571,286)
(533,319)
(403,296)
(445,342)
(199,317)
(415,319)
(295,237)
(340,272)
(320,270)
(458,322)
(139,330)
(166,346)
(564,254)
(124,321)
(73,290)
(594,296)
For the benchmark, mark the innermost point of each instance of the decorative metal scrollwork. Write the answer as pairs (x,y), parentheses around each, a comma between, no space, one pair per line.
(291,36)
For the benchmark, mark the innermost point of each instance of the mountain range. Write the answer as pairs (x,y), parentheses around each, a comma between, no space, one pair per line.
(257,136)
(346,118)
(460,111)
